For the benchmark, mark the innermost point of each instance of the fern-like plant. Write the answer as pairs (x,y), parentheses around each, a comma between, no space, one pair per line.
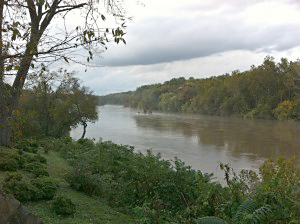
(248,213)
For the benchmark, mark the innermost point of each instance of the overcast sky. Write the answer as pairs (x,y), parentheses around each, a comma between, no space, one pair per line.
(199,38)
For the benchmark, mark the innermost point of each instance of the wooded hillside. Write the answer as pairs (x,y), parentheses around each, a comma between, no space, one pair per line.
(270,90)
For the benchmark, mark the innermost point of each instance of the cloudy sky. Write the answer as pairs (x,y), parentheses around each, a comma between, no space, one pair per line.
(199,38)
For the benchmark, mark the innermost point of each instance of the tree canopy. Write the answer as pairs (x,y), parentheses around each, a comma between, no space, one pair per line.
(270,90)
(36,33)
(52,104)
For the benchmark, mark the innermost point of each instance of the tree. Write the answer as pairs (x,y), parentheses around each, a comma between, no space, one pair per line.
(83,105)
(40,31)
(54,103)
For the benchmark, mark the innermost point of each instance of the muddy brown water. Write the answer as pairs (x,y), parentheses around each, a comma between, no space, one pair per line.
(200,141)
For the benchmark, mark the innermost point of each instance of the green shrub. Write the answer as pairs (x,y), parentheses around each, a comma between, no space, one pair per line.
(21,159)
(83,180)
(296,110)
(63,206)
(17,160)
(128,179)
(284,110)
(46,186)
(28,145)
(11,160)
(262,111)
(8,164)
(41,188)
(36,168)
(16,185)
(40,159)
(86,142)
(54,144)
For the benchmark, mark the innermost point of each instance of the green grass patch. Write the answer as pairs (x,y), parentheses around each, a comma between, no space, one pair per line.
(88,209)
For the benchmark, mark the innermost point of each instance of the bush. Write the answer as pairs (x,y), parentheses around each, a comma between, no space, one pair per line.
(28,145)
(86,142)
(296,110)
(284,110)
(81,179)
(40,159)
(42,188)
(8,164)
(11,160)
(36,168)
(127,179)
(63,206)
(54,144)
(46,186)
(261,111)
(21,189)
(16,160)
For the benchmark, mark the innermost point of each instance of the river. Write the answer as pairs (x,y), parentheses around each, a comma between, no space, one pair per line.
(200,141)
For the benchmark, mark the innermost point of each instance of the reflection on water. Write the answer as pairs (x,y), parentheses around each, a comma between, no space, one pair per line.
(200,141)
(259,138)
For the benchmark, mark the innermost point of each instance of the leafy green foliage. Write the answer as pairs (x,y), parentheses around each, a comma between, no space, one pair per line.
(63,206)
(27,145)
(30,181)
(89,209)
(126,179)
(36,168)
(284,110)
(21,189)
(20,160)
(157,190)
(160,191)
(248,212)
(271,199)
(47,188)
(50,110)
(8,164)
(41,188)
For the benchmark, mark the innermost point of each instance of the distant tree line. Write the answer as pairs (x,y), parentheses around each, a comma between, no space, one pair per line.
(270,91)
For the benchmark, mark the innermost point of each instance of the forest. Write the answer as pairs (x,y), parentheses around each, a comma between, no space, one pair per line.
(269,91)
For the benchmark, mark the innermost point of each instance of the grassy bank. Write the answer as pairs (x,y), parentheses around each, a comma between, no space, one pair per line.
(89,209)
(64,181)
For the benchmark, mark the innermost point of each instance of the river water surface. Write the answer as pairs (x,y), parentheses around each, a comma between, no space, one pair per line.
(200,141)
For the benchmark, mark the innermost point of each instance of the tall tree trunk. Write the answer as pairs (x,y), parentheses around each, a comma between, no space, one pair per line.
(9,97)
(84,129)
(5,130)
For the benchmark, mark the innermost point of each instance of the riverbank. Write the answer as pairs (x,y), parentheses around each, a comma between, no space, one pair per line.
(110,183)
(89,209)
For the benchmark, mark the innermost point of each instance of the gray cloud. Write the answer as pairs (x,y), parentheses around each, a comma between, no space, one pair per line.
(205,38)
(166,39)
(117,79)
(107,79)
